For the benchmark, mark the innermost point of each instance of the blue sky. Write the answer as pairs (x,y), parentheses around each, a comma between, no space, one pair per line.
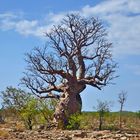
(22,27)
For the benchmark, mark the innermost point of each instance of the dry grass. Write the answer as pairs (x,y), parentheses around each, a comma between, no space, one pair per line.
(4,133)
(90,120)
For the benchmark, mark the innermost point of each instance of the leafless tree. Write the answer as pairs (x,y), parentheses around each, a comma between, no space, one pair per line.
(76,54)
(122,99)
(102,108)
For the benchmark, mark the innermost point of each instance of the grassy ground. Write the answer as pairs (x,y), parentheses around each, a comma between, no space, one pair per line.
(86,122)
(90,120)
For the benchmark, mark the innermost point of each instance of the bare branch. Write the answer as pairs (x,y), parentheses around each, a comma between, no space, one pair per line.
(51,95)
(76,54)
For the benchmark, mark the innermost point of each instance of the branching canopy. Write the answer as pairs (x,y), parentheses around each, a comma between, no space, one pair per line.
(77,52)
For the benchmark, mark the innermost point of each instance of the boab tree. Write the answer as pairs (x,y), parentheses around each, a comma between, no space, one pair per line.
(76,54)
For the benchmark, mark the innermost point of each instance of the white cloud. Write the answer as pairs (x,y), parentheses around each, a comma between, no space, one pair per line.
(110,7)
(55,18)
(124,32)
(105,8)
(7,15)
(11,21)
(121,16)
(26,27)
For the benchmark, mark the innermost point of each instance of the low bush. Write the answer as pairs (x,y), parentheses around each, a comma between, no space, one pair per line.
(74,122)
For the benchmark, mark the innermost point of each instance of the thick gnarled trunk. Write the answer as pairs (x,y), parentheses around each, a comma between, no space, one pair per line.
(70,103)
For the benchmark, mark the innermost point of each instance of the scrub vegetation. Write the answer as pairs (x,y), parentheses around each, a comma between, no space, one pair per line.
(26,111)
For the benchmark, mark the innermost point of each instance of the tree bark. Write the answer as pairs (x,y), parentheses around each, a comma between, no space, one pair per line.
(120,117)
(100,122)
(70,103)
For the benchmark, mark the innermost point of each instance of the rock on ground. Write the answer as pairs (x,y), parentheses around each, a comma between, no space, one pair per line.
(8,134)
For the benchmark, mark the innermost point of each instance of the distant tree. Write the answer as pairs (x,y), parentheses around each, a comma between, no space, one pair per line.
(138,117)
(1,116)
(121,99)
(77,54)
(138,114)
(102,108)
(14,98)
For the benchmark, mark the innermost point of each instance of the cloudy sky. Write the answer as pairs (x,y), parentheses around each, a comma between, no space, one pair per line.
(23,24)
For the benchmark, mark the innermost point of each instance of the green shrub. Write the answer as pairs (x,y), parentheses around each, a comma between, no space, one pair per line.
(74,122)
(29,112)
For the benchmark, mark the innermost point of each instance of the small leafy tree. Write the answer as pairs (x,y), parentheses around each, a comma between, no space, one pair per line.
(121,99)
(102,108)
(13,97)
(13,100)
(46,108)
(28,113)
